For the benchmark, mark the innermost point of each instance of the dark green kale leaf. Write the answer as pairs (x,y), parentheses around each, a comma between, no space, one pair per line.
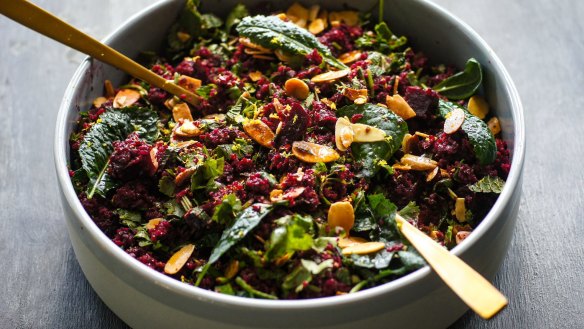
(384,212)
(379,63)
(379,260)
(479,134)
(273,33)
(384,41)
(410,211)
(114,125)
(369,154)
(411,259)
(488,184)
(463,84)
(246,221)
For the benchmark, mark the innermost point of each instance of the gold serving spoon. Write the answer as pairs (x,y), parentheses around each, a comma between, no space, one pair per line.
(51,26)
(478,293)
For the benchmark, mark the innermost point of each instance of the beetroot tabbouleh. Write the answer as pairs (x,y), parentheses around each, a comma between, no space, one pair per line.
(295,157)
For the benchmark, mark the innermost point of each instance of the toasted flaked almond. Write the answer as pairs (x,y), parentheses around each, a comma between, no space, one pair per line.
(366,133)
(343,134)
(185,144)
(152,165)
(183,176)
(313,153)
(126,97)
(251,51)
(290,194)
(330,76)
(444,173)
(187,129)
(297,12)
(283,259)
(408,143)
(170,103)
(399,106)
(246,42)
(364,248)
(189,83)
(454,120)
(182,36)
(395,85)
(460,210)
(99,101)
(179,259)
(349,241)
(313,12)
(432,174)
(461,235)
(283,56)
(232,269)
(478,106)
(282,16)
(215,116)
(421,134)
(360,100)
(296,88)
(341,214)
(181,111)
(400,166)
(109,89)
(152,223)
(348,17)
(300,22)
(494,125)
(329,103)
(259,132)
(420,163)
(350,57)
(255,75)
(354,94)
(316,26)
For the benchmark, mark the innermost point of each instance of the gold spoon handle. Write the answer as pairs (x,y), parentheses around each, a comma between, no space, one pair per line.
(51,26)
(478,293)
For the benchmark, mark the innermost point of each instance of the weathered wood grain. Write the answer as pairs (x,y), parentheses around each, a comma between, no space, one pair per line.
(540,43)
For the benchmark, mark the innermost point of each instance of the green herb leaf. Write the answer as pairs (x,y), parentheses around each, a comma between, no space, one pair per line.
(463,84)
(114,125)
(129,218)
(206,173)
(315,268)
(225,212)
(379,63)
(296,279)
(294,233)
(479,134)
(166,186)
(237,13)
(369,154)
(246,221)
(410,211)
(273,33)
(488,184)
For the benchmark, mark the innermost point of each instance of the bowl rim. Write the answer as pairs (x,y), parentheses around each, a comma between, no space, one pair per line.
(144,272)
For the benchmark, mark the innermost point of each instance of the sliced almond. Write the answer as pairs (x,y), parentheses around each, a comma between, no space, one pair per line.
(366,133)
(408,143)
(259,132)
(354,94)
(494,125)
(189,83)
(251,51)
(99,101)
(276,195)
(179,259)
(232,269)
(341,214)
(181,111)
(432,174)
(330,76)
(349,17)
(349,241)
(421,134)
(300,22)
(126,97)
(255,75)
(399,106)
(460,210)
(313,12)
(350,57)
(313,153)
(182,36)
(400,166)
(454,120)
(419,163)
(364,248)
(188,129)
(316,26)
(170,103)
(282,16)
(297,12)
(343,134)
(183,176)
(296,88)
(215,116)
(478,106)
(153,163)
(152,223)
(461,235)
(109,89)
(182,145)
(264,57)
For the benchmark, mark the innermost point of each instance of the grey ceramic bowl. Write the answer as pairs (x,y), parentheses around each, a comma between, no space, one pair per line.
(144,298)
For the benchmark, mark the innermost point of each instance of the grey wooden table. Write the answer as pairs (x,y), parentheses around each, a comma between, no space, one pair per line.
(540,41)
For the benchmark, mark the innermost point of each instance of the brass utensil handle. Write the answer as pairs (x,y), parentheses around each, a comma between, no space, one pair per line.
(478,293)
(43,22)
